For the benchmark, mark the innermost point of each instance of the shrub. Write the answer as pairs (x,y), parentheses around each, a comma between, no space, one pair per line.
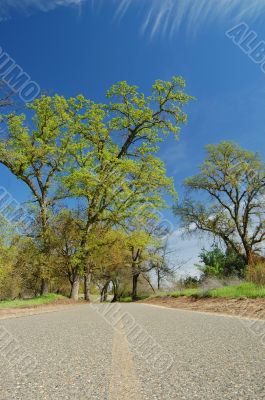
(221,264)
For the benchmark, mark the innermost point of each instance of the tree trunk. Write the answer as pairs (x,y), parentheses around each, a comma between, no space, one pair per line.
(115,292)
(75,288)
(136,254)
(158,279)
(134,286)
(45,249)
(249,257)
(115,298)
(44,287)
(250,265)
(104,292)
(87,280)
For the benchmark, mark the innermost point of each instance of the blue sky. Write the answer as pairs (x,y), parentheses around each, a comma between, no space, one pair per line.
(72,46)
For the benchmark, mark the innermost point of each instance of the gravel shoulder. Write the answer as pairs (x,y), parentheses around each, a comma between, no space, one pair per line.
(248,308)
(58,305)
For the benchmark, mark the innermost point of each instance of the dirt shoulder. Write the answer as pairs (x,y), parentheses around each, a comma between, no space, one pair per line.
(38,309)
(248,308)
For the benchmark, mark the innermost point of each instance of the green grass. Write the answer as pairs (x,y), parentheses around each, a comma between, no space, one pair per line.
(178,293)
(49,298)
(128,299)
(125,299)
(245,290)
(249,290)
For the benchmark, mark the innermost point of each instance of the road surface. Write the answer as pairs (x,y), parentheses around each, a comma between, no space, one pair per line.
(131,352)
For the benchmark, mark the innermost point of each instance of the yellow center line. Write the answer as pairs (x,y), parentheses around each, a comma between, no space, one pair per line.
(124,384)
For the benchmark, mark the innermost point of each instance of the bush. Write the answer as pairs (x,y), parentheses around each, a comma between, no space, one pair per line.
(221,264)
(191,282)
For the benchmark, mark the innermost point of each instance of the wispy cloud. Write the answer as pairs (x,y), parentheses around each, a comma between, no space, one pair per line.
(166,17)
(159,17)
(9,7)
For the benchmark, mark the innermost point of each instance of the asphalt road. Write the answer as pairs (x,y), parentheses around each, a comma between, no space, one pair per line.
(131,352)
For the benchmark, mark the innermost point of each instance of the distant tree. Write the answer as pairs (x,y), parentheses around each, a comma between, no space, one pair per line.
(137,242)
(110,258)
(161,264)
(27,267)
(234,180)
(65,238)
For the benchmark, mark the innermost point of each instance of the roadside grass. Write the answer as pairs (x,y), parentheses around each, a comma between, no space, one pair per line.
(127,299)
(248,290)
(47,299)
(178,293)
(244,290)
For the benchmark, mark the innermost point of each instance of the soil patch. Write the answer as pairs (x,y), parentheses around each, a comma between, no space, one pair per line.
(248,308)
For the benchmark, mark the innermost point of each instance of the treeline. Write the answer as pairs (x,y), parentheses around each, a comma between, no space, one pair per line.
(98,188)
(96,181)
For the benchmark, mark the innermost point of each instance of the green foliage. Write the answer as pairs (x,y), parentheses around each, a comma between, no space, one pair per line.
(36,150)
(220,264)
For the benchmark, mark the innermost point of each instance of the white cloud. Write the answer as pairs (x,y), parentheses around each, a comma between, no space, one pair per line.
(167,16)
(8,7)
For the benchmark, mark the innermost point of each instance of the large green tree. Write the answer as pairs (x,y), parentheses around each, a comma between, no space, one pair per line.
(36,151)
(115,170)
